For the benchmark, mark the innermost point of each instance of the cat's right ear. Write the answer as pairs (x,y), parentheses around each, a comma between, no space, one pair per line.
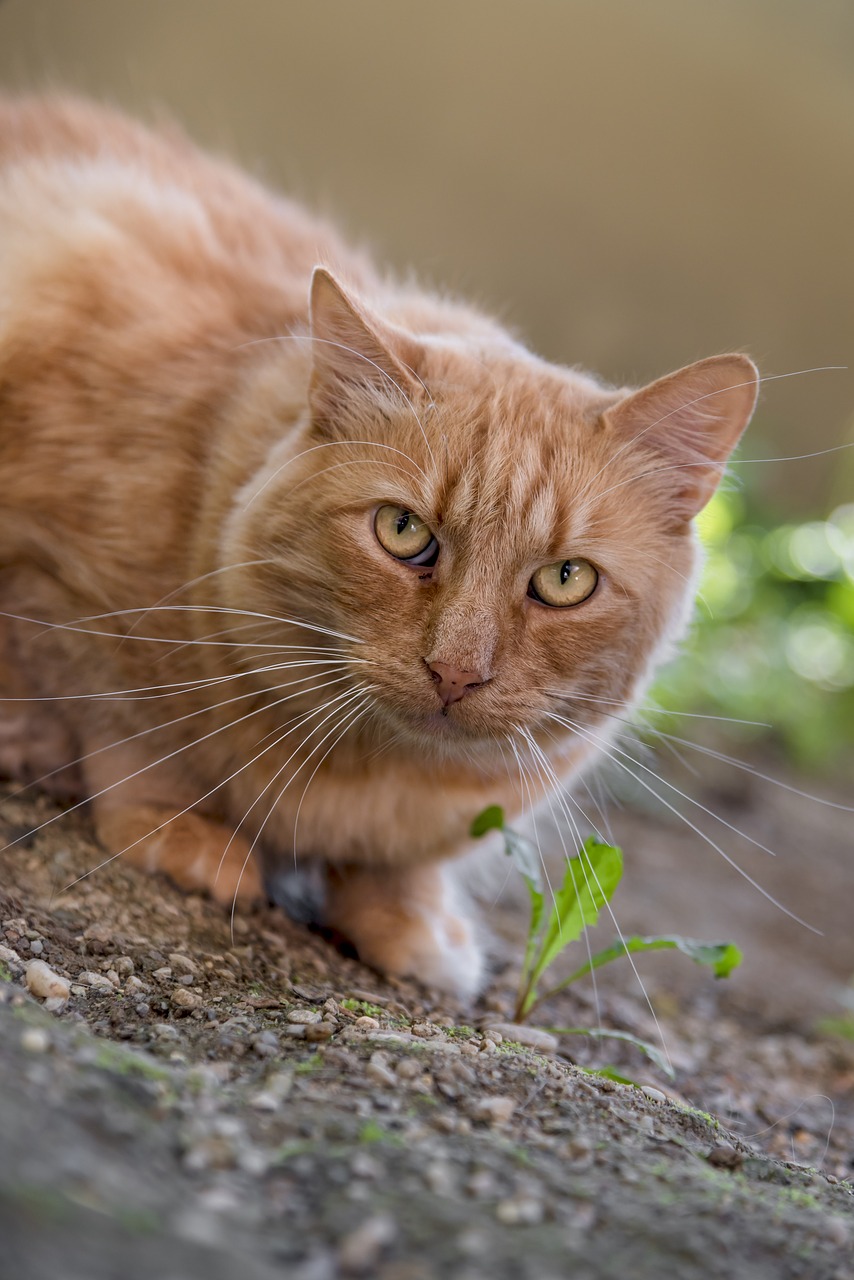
(357,359)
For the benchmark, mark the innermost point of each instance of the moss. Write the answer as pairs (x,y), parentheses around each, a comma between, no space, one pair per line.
(308,1065)
(364,1008)
(5,972)
(120,1061)
(842,1026)
(371,1132)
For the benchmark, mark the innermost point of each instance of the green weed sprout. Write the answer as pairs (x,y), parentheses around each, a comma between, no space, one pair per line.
(588,885)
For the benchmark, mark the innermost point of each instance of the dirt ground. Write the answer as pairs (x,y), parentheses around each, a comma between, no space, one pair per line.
(259,1105)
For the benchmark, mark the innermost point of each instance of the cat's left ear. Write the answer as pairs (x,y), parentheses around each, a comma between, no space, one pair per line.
(356,356)
(693,420)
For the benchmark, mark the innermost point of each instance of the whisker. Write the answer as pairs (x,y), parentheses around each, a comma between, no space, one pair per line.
(363,707)
(297,722)
(587,864)
(726,857)
(187,746)
(178,608)
(757,773)
(154,693)
(774,377)
(547,776)
(349,696)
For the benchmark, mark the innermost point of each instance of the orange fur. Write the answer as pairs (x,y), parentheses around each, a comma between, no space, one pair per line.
(194,461)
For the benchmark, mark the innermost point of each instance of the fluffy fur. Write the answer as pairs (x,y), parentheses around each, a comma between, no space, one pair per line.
(204,399)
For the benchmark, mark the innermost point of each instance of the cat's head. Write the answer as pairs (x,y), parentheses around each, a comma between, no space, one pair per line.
(505,539)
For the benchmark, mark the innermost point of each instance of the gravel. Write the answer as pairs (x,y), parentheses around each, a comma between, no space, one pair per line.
(287,1112)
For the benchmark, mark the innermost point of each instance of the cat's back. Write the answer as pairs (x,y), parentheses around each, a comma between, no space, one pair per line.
(72,171)
(136,272)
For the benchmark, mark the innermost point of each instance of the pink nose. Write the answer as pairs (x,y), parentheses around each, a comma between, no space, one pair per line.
(451,683)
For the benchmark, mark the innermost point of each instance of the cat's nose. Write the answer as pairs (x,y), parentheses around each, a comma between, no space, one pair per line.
(451,683)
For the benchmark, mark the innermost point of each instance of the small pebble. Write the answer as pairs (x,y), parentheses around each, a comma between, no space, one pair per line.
(43,983)
(361,1250)
(364,1165)
(183,964)
(97,981)
(8,956)
(530,1037)
(409,1068)
(317,1032)
(304,1016)
(186,999)
(837,1231)
(378,1071)
(520,1211)
(37,947)
(367,1024)
(482,1184)
(496,1111)
(35,1040)
(655,1095)
(725,1156)
(439,1177)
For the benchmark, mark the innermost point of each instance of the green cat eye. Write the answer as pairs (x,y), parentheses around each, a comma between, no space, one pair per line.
(405,536)
(564,583)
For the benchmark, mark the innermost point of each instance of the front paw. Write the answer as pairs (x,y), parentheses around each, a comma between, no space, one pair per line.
(405,924)
(441,953)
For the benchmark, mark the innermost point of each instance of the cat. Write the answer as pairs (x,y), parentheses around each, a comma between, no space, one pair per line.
(300,565)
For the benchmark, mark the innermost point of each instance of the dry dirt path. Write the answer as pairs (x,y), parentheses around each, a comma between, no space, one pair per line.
(259,1106)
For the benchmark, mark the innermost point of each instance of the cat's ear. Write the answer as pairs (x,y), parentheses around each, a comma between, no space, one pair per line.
(355,354)
(693,420)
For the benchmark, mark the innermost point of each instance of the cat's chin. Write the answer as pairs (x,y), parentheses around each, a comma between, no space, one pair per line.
(446,737)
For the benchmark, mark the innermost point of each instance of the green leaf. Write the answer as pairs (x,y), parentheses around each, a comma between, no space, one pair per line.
(650,1050)
(588,885)
(721,957)
(610,1073)
(489,819)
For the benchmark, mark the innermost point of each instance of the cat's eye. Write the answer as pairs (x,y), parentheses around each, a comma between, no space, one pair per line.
(405,536)
(564,583)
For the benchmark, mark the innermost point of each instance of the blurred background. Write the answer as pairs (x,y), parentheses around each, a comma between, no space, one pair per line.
(630,186)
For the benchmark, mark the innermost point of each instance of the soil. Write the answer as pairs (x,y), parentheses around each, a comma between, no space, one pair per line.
(217,1103)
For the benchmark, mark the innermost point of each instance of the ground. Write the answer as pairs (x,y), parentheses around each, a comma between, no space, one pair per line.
(255,1104)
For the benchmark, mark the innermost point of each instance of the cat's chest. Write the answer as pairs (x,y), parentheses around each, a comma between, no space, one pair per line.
(394,815)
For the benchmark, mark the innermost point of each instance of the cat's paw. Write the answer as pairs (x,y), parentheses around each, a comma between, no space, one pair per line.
(441,953)
(405,924)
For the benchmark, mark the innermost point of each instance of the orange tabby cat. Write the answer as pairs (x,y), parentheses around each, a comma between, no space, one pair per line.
(330,564)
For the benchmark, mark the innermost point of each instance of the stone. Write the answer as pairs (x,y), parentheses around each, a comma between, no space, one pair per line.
(361,1250)
(530,1037)
(44,983)
(495,1111)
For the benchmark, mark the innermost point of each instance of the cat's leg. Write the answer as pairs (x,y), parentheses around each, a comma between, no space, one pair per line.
(149,830)
(406,922)
(195,852)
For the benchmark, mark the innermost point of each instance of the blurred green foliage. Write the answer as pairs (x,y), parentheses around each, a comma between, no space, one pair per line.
(773,639)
